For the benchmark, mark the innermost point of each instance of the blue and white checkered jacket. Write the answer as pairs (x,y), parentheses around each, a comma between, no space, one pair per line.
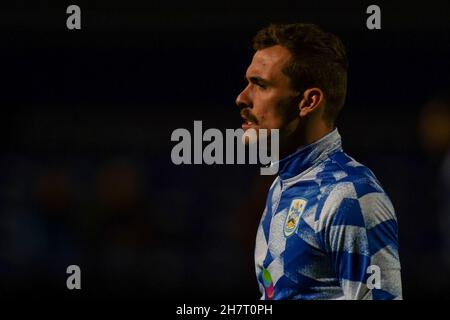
(328,231)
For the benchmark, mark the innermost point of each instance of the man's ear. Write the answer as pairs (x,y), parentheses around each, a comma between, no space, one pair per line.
(312,100)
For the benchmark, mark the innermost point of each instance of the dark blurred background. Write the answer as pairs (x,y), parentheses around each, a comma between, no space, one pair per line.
(86,176)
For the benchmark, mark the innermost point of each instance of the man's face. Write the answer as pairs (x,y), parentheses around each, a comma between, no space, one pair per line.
(267,102)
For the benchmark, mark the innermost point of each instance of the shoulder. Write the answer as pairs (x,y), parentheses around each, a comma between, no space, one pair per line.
(352,195)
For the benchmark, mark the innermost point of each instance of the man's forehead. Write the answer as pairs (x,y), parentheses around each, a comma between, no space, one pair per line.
(269,60)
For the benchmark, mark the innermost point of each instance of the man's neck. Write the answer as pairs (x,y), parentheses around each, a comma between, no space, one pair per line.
(303,136)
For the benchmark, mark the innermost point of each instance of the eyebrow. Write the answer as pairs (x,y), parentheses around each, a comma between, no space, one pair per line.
(256,79)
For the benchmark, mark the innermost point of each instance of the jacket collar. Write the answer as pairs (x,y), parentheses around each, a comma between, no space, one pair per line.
(307,156)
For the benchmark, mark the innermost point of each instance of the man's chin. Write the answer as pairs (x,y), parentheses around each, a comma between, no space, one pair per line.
(254,134)
(250,135)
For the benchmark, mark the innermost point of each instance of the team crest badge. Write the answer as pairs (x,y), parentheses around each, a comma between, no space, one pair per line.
(293,217)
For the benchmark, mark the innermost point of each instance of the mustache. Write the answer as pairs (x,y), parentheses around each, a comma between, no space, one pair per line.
(245,113)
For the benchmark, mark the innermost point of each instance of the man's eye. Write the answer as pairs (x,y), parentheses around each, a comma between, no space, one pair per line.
(262,86)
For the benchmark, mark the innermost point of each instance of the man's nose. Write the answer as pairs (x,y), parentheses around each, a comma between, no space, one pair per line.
(243,100)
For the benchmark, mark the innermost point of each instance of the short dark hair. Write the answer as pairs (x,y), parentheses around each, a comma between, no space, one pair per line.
(319,60)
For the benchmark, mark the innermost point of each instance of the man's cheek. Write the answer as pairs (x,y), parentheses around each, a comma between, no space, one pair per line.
(273,122)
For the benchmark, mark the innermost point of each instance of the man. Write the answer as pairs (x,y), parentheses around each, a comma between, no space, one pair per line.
(328,231)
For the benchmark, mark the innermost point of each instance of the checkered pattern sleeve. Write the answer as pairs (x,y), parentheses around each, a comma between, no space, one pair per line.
(360,236)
